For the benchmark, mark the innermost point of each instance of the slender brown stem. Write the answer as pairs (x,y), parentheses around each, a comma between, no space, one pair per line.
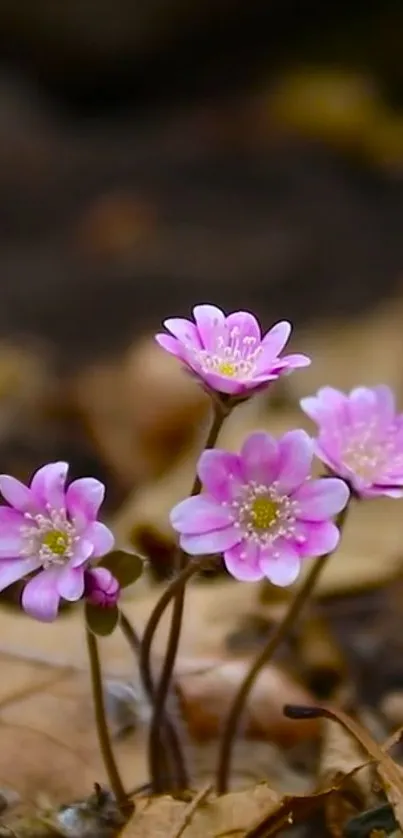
(161,693)
(115,781)
(170,733)
(279,634)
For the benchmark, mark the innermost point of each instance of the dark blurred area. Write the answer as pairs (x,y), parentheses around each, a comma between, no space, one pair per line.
(155,154)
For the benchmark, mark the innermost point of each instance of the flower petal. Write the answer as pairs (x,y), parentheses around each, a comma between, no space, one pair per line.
(83,500)
(321,499)
(242,562)
(184,330)
(362,405)
(295,460)
(199,514)
(40,598)
(48,484)
(70,583)
(16,494)
(11,542)
(170,344)
(294,361)
(11,570)
(386,407)
(260,458)
(212,542)
(101,538)
(328,405)
(281,565)
(276,338)
(316,539)
(220,473)
(210,322)
(246,326)
(83,550)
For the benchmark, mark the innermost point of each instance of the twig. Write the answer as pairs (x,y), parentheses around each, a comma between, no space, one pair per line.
(190,811)
(279,634)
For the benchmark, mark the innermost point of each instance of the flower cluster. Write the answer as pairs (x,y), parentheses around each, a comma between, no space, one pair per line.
(260,508)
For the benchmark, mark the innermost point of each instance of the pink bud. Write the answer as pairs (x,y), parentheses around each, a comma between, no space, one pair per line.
(101,587)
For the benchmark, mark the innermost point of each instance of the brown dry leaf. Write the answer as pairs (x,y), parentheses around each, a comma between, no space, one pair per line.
(206,697)
(231,814)
(389,772)
(341,756)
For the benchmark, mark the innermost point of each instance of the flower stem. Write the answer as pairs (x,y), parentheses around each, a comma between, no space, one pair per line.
(279,634)
(115,781)
(221,411)
(170,733)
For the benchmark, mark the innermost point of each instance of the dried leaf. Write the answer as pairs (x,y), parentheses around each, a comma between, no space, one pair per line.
(157,817)
(389,772)
(206,696)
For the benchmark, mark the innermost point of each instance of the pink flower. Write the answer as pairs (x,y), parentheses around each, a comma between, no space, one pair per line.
(261,509)
(360,438)
(229,353)
(54,531)
(101,587)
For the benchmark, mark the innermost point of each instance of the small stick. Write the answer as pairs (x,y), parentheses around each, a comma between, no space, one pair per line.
(190,811)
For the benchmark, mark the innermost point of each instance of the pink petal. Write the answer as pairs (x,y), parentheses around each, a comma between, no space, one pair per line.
(40,598)
(295,361)
(48,484)
(11,570)
(184,330)
(320,499)
(170,344)
(242,562)
(316,539)
(70,583)
(295,460)
(219,383)
(100,537)
(328,454)
(16,494)
(11,542)
(83,550)
(220,473)
(362,405)
(386,407)
(329,405)
(260,458)
(199,514)
(275,339)
(12,518)
(210,322)
(213,542)
(245,325)
(83,500)
(281,565)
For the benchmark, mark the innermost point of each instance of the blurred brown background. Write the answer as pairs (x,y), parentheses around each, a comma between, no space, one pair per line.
(159,153)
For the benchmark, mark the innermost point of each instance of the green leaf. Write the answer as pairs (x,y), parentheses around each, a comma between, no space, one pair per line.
(126,567)
(101,621)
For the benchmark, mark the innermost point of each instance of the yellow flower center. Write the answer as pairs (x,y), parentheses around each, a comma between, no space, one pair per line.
(226,368)
(57,541)
(264,512)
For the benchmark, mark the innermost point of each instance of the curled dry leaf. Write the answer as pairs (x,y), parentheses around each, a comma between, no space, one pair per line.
(388,771)
(341,756)
(206,697)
